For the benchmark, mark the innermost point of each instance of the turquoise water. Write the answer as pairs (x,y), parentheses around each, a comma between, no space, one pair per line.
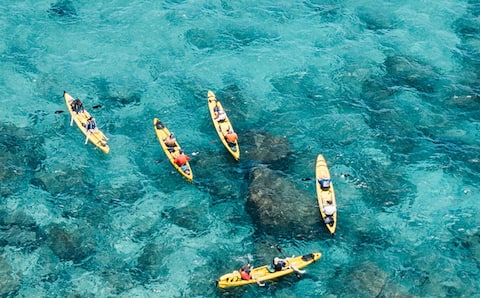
(387,91)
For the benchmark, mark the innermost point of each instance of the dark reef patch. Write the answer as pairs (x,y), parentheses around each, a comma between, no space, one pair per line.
(72,243)
(62,8)
(22,155)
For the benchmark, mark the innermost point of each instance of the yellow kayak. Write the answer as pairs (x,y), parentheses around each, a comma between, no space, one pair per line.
(96,137)
(223,126)
(162,133)
(263,273)
(326,194)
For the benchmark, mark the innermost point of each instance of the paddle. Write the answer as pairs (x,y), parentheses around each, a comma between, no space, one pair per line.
(88,135)
(261,284)
(279,250)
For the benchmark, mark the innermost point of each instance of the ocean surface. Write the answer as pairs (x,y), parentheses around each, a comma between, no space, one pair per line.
(388,91)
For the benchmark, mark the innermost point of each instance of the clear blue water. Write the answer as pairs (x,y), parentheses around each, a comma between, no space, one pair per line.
(387,91)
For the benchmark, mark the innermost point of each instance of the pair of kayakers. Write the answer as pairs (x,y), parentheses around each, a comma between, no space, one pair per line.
(220,116)
(181,159)
(278,264)
(91,124)
(329,209)
(77,107)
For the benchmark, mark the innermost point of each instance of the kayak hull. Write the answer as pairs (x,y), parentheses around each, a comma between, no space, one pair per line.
(323,196)
(222,127)
(263,273)
(97,138)
(162,133)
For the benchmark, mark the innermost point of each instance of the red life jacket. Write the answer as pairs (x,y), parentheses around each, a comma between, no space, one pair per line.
(181,159)
(231,137)
(245,275)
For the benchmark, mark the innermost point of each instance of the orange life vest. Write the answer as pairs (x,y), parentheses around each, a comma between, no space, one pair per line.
(245,275)
(231,137)
(181,159)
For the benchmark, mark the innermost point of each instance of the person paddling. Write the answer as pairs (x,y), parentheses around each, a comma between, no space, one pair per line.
(246,274)
(231,137)
(77,107)
(91,127)
(171,142)
(181,161)
(219,113)
(280,264)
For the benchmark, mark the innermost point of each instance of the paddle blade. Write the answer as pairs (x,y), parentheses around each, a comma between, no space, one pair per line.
(279,249)
(59,112)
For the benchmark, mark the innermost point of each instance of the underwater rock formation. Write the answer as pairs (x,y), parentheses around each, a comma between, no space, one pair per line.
(266,148)
(271,199)
(71,243)
(10,282)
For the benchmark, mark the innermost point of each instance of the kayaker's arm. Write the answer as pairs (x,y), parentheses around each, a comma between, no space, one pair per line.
(259,282)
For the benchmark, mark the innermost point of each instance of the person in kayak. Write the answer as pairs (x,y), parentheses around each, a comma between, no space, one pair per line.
(77,106)
(91,124)
(324,183)
(280,264)
(181,161)
(91,127)
(245,273)
(231,137)
(220,115)
(329,210)
(170,142)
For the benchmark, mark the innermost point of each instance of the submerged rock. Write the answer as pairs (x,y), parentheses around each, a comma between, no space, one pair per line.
(150,262)
(367,280)
(71,243)
(266,148)
(19,230)
(298,84)
(22,153)
(200,38)
(118,281)
(278,205)
(9,281)
(377,18)
(190,218)
(129,92)
(409,72)
(64,178)
(63,8)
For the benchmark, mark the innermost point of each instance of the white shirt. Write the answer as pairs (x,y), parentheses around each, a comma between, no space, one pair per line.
(221,116)
(329,209)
